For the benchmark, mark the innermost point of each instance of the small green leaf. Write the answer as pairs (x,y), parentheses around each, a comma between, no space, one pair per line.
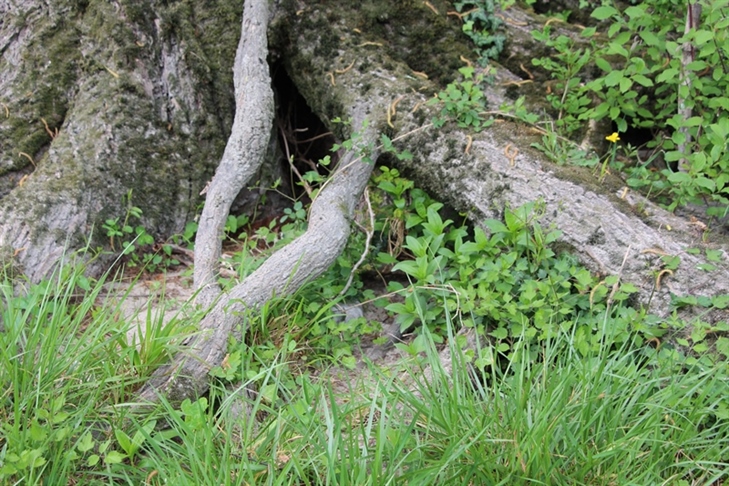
(629,288)
(613,77)
(125,442)
(701,347)
(634,12)
(642,80)
(720,301)
(603,64)
(702,37)
(499,333)
(649,38)
(604,12)
(714,255)
(269,392)
(704,301)
(667,75)
(86,443)
(671,261)
(386,258)
(625,84)
(114,457)
(349,362)
(37,432)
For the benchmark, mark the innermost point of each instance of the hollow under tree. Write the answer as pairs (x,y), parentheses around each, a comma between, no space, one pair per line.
(100,98)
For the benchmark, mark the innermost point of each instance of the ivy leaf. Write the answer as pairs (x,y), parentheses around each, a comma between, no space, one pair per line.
(722,345)
(720,301)
(499,333)
(713,255)
(707,267)
(86,443)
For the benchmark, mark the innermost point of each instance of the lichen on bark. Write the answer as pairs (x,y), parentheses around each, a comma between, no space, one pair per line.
(136,97)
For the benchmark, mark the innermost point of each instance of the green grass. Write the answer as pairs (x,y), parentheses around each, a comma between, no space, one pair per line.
(66,370)
(619,415)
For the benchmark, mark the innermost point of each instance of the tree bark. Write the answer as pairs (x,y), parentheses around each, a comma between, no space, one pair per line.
(246,147)
(98,99)
(482,173)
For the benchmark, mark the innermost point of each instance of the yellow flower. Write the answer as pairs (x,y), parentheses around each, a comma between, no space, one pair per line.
(613,138)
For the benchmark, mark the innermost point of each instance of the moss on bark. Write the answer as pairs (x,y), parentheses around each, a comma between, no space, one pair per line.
(141,94)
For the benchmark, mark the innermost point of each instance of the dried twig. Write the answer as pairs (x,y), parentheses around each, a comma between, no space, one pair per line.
(52,133)
(370,233)
(342,71)
(27,157)
(391,111)
(616,285)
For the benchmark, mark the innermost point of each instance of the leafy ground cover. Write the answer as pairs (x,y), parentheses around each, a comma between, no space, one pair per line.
(634,71)
(569,383)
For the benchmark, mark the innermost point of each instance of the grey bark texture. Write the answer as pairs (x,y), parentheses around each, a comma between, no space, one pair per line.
(246,147)
(483,173)
(101,98)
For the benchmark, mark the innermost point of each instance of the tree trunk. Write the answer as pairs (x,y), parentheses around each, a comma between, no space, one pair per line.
(246,147)
(100,99)
(602,222)
(144,101)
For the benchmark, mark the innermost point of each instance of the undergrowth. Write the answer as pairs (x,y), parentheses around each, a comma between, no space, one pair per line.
(571,381)
(634,70)
(615,413)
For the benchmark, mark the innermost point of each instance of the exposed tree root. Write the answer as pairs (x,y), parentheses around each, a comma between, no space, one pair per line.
(288,269)
(611,228)
(245,149)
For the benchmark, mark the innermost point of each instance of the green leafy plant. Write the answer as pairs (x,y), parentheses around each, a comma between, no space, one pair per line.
(295,214)
(690,104)
(132,445)
(563,151)
(568,96)
(563,363)
(510,283)
(234,223)
(463,101)
(116,228)
(480,24)
(649,77)
(53,394)
(136,242)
